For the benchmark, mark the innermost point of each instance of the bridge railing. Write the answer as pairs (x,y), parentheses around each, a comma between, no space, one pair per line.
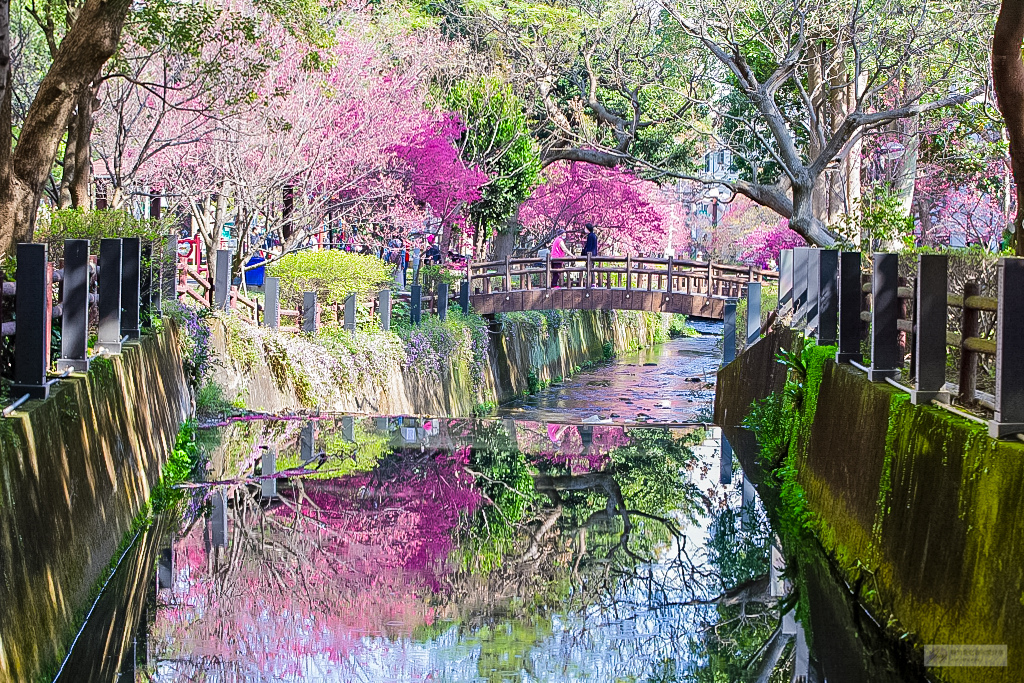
(907,326)
(614,272)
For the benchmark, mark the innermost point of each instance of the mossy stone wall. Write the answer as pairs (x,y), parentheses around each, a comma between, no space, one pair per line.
(75,471)
(515,351)
(918,504)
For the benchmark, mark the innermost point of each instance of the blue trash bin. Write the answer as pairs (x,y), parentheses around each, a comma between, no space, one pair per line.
(255,276)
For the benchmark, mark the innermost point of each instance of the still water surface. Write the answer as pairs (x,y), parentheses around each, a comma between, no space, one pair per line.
(533,546)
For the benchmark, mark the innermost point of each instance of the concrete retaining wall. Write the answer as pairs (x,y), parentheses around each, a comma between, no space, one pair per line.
(75,471)
(919,504)
(516,350)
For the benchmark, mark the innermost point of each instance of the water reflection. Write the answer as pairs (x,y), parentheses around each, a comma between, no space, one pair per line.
(397,549)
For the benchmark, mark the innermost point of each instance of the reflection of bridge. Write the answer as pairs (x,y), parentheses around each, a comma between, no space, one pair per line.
(609,282)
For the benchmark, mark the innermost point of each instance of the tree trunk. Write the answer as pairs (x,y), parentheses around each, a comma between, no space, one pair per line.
(87,104)
(86,47)
(1008,79)
(924,215)
(68,167)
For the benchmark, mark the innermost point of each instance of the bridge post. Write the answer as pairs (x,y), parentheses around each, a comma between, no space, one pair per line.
(108,334)
(222,286)
(930,329)
(508,276)
(729,333)
(800,259)
(131,286)
(310,311)
(547,273)
(384,306)
(464,296)
(753,312)
(813,291)
(350,313)
(74,329)
(668,285)
(849,308)
(785,280)
(442,301)
(32,309)
(828,296)
(1009,412)
(590,271)
(416,304)
(885,310)
(272,303)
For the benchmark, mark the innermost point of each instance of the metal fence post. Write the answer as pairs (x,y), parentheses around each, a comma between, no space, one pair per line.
(464,296)
(930,329)
(729,333)
(169,271)
(350,312)
(885,311)
(32,307)
(1009,413)
(108,334)
(131,286)
(849,308)
(416,304)
(753,312)
(725,464)
(813,291)
(307,442)
(268,485)
(146,288)
(310,312)
(442,301)
(74,328)
(384,306)
(222,286)
(800,258)
(219,518)
(785,280)
(828,296)
(272,303)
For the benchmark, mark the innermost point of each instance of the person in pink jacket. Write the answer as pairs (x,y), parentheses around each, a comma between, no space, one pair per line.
(558,251)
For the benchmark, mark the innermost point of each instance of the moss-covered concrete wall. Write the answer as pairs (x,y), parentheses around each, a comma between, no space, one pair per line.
(75,471)
(516,349)
(918,504)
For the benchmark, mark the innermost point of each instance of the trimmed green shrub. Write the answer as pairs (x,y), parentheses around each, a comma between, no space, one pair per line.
(332,274)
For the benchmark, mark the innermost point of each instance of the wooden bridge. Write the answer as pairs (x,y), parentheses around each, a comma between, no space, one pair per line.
(667,285)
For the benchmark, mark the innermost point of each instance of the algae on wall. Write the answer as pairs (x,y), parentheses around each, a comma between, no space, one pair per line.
(75,471)
(373,373)
(917,507)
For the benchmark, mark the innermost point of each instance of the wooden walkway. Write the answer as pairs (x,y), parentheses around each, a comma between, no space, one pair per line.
(693,288)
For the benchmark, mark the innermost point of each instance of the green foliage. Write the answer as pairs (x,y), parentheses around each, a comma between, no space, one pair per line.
(608,350)
(884,221)
(185,460)
(740,552)
(76,224)
(331,273)
(497,138)
(210,400)
(679,326)
(647,470)
(431,275)
(193,340)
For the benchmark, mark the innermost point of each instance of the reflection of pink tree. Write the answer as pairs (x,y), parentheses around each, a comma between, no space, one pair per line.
(336,561)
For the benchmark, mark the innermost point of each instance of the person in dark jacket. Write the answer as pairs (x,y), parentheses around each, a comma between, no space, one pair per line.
(590,246)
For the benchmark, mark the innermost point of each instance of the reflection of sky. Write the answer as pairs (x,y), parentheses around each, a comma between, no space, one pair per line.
(618,638)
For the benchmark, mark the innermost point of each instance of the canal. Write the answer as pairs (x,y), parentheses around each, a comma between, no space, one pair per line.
(595,531)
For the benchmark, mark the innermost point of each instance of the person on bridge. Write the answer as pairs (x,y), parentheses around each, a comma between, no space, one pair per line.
(558,251)
(590,246)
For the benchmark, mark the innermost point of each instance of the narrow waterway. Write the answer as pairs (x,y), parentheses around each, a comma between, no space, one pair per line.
(670,382)
(592,532)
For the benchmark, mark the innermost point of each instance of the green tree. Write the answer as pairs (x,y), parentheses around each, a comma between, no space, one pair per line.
(497,139)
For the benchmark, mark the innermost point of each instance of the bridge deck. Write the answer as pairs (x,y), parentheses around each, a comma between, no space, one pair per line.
(607,283)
